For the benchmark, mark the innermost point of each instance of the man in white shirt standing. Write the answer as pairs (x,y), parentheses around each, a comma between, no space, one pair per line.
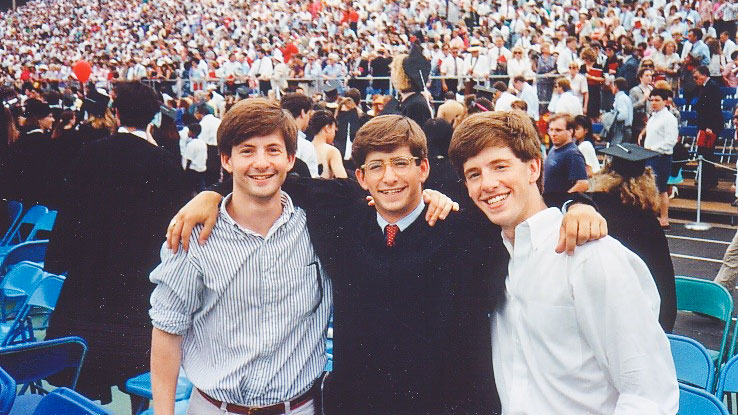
(585,339)
(476,64)
(529,94)
(563,101)
(452,67)
(209,135)
(661,134)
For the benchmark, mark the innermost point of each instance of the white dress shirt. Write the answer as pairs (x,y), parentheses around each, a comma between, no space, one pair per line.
(529,94)
(504,102)
(196,152)
(209,132)
(453,66)
(306,152)
(579,334)
(477,66)
(662,132)
(568,103)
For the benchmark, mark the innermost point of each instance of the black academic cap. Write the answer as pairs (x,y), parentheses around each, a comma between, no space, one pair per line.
(95,103)
(628,160)
(168,112)
(417,67)
(36,108)
(484,92)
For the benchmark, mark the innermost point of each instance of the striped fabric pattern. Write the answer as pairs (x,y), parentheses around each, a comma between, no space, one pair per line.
(253,311)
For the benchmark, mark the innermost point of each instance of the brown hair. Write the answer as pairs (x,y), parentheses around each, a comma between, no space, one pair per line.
(510,129)
(398,76)
(255,117)
(570,124)
(387,133)
(563,83)
(106,122)
(640,191)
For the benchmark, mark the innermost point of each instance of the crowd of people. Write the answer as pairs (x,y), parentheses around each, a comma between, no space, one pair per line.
(194,95)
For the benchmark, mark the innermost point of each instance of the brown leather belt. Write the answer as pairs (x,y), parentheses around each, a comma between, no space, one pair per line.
(276,409)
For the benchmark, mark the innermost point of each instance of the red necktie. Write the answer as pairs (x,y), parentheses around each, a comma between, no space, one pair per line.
(390,232)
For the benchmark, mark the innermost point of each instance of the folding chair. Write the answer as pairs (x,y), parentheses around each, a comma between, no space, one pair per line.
(68,402)
(29,219)
(7,392)
(729,103)
(15,210)
(34,251)
(30,363)
(141,386)
(709,298)
(727,91)
(689,117)
(693,363)
(44,224)
(44,297)
(597,128)
(695,401)
(180,408)
(17,285)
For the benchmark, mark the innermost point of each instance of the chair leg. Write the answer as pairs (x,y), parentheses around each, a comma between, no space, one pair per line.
(138,404)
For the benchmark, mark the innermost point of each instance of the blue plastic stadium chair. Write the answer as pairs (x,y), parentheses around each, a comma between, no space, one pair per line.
(729,103)
(695,401)
(141,386)
(180,408)
(15,210)
(17,285)
(68,402)
(693,363)
(7,392)
(706,297)
(689,117)
(728,379)
(30,363)
(727,91)
(44,224)
(29,219)
(43,297)
(34,251)
(597,128)
(680,103)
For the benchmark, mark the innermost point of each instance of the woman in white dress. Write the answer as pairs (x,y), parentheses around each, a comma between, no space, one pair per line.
(666,62)
(519,65)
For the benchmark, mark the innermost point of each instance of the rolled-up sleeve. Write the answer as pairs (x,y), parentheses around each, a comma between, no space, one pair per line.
(178,292)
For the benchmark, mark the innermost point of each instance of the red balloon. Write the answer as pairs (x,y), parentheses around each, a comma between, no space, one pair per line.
(83,70)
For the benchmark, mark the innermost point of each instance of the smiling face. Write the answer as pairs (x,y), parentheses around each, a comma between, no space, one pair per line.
(259,166)
(504,187)
(396,190)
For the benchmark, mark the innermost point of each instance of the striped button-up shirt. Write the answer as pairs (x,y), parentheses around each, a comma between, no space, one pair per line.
(252,310)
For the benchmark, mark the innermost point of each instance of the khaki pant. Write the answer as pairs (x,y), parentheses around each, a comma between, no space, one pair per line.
(729,270)
(201,406)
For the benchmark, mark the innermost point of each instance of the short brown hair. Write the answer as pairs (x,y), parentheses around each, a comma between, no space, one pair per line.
(570,124)
(511,129)
(254,117)
(387,133)
(563,83)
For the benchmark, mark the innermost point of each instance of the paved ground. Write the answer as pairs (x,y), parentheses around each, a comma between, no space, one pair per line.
(699,254)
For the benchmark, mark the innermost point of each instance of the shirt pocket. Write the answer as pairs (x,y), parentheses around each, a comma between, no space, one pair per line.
(553,331)
(300,288)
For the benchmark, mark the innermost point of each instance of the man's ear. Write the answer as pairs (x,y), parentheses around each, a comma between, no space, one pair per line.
(360,179)
(534,166)
(424,169)
(225,161)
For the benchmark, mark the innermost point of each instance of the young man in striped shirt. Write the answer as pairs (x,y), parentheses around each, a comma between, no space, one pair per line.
(246,314)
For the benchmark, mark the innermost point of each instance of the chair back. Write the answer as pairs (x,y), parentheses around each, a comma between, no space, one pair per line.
(728,379)
(7,392)
(44,224)
(33,362)
(29,219)
(46,292)
(695,401)
(68,402)
(18,284)
(15,211)
(706,297)
(42,300)
(34,251)
(692,361)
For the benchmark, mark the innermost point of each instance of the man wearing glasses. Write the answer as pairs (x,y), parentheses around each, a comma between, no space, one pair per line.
(411,301)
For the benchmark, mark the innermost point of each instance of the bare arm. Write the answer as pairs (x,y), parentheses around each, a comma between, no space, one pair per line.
(336,163)
(580,186)
(166,356)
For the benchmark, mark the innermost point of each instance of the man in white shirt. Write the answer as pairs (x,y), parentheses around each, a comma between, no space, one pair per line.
(563,101)
(262,70)
(529,94)
(661,134)
(582,337)
(299,105)
(567,55)
(728,45)
(503,99)
(209,135)
(452,66)
(476,64)
(194,158)
(499,54)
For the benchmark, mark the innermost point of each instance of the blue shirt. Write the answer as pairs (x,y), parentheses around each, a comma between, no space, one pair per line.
(404,222)
(562,168)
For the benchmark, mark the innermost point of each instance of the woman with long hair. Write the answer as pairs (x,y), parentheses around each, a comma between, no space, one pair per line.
(322,127)
(627,197)
(584,137)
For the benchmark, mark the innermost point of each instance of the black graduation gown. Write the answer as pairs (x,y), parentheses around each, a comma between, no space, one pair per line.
(121,195)
(639,231)
(28,172)
(415,107)
(411,326)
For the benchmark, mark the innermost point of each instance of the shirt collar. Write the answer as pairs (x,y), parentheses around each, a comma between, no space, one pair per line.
(404,222)
(288,208)
(137,133)
(535,230)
